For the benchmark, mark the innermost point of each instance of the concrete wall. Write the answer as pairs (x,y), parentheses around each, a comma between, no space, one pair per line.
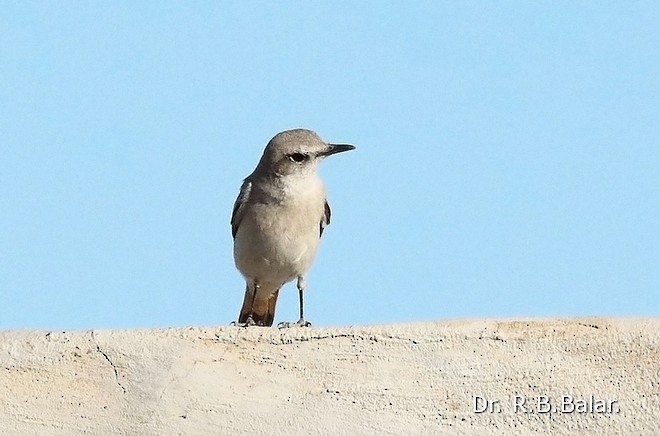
(392,379)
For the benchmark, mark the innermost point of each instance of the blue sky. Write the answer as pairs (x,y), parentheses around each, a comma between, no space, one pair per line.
(507,161)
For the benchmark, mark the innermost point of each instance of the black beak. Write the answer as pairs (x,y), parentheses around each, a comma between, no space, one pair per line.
(337,148)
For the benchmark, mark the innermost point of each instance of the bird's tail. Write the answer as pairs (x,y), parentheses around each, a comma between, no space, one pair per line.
(261,306)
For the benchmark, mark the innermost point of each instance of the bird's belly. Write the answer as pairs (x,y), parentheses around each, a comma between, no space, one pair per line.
(276,250)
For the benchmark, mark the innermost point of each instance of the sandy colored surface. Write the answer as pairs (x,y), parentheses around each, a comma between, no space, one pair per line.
(393,379)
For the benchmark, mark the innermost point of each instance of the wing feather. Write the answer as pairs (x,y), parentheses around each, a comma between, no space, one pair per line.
(325,219)
(239,206)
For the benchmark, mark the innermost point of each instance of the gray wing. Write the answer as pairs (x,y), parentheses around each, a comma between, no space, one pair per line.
(239,206)
(325,219)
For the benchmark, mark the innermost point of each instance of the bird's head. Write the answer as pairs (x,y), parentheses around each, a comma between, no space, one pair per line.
(296,152)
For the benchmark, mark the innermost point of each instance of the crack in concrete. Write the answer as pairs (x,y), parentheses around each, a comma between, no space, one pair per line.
(356,337)
(107,358)
(174,379)
(284,339)
(493,338)
(593,326)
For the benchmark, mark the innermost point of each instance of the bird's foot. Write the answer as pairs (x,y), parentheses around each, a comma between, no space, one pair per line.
(248,323)
(301,323)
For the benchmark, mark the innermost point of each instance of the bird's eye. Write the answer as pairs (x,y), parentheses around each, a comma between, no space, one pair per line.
(297,157)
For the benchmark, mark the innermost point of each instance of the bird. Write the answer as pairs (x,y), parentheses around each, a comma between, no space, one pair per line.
(277,221)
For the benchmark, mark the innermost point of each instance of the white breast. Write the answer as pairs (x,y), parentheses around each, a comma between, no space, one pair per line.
(277,240)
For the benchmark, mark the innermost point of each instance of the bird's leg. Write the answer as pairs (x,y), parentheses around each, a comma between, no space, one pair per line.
(301,289)
(300,284)
(249,321)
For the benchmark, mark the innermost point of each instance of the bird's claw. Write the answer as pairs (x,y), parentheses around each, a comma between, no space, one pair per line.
(248,323)
(300,323)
